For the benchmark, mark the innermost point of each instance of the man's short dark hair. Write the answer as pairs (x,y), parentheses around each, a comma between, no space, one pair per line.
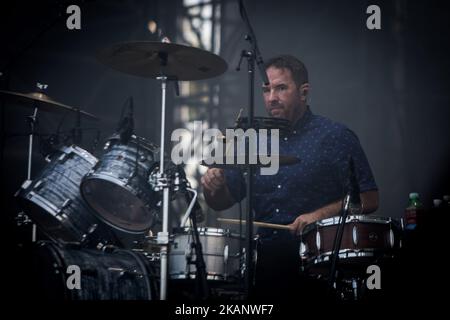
(297,68)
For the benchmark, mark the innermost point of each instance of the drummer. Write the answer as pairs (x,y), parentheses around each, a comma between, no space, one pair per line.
(308,191)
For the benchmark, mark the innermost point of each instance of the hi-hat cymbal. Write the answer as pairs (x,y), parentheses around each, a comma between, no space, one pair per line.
(236,162)
(45,103)
(156,59)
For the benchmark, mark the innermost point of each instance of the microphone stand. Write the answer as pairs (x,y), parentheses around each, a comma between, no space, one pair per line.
(338,240)
(352,197)
(202,290)
(253,57)
(76,133)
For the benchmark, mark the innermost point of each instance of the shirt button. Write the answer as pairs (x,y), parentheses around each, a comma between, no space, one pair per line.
(279,186)
(285,139)
(295,131)
(277,210)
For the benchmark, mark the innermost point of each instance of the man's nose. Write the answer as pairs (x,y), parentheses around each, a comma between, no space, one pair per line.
(273,96)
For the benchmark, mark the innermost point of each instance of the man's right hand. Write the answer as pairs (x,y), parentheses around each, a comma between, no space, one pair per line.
(213,181)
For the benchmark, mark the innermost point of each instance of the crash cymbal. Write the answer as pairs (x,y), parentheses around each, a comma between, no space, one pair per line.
(233,162)
(155,59)
(44,103)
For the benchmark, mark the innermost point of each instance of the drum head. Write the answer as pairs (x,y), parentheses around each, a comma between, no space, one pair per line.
(117,188)
(116,205)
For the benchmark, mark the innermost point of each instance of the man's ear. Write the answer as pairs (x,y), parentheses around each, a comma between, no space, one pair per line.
(304,90)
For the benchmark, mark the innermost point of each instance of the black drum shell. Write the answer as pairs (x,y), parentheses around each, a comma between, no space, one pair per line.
(113,274)
(53,200)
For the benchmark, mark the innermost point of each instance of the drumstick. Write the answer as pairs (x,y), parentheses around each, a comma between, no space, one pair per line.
(256,223)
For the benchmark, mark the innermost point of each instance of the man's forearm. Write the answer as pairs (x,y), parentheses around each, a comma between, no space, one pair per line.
(369,203)
(327,211)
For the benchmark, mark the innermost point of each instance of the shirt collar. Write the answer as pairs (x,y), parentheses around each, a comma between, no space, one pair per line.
(300,124)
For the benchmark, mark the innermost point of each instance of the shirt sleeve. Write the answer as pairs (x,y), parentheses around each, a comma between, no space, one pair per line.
(345,144)
(236,183)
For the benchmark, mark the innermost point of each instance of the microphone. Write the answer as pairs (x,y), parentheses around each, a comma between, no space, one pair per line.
(251,37)
(125,128)
(49,145)
(96,141)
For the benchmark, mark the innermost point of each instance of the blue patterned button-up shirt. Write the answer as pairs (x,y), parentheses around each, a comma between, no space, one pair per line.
(320,178)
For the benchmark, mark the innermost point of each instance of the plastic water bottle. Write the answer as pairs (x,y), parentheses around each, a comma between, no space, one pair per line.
(414,212)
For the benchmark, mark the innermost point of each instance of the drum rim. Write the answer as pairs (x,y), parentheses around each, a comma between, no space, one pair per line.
(356,218)
(207,231)
(134,139)
(351,218)
(345,254)
(213,276)
(82,153)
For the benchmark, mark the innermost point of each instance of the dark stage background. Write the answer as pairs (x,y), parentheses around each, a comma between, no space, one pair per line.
(390,86)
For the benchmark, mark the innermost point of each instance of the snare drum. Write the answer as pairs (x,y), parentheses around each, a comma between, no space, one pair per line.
(365,240)
(222,252)
(53,200)
(117,187)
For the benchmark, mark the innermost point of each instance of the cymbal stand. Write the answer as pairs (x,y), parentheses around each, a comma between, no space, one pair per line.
(32,122)
(22,218)
(164,184)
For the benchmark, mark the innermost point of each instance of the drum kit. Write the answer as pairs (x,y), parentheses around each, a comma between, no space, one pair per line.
(80,202)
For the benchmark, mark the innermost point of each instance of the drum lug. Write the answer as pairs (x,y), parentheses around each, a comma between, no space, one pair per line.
(391,238)
(225,254)
(65,204)
(355,235)
(26,184)
(92,228)
(119,270)
(57,268)
(38,185)
(61,216)
(62,157)
(318,240)
(303,250)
